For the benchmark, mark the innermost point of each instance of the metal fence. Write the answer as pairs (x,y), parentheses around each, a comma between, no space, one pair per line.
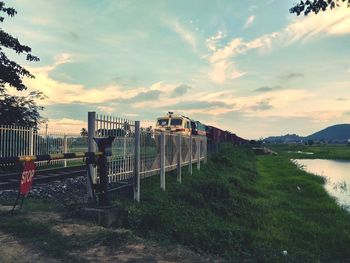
(158,152)
(21,141)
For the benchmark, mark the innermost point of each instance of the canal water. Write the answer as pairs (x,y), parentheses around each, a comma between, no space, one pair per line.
(337,174)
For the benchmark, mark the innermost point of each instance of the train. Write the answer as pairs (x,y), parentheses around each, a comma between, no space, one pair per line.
(175,123)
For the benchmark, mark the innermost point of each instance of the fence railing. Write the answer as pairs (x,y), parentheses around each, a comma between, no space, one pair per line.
(21,141)
(135,152)
(143,152)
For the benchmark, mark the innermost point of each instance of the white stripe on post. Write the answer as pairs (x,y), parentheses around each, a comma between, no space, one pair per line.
(137,162)
(190,162)
(65,148)
(162,161)
(179,158)
(198,153)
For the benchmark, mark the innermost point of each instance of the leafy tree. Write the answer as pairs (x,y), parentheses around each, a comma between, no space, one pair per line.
(315,6)
(83,132)
(18,110)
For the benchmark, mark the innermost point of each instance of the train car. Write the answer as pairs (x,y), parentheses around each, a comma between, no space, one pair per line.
(174,123)
(198,128)
(181,124)
(232,137)
(215,135)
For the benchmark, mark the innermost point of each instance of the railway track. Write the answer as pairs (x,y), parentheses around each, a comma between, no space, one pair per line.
(11,180)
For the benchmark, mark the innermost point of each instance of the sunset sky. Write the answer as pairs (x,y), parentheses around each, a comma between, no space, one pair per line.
(246,66)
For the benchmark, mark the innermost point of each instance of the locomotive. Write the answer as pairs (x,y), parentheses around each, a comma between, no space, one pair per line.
(184,125)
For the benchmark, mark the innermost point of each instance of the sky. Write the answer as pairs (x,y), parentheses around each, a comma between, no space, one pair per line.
(249,66)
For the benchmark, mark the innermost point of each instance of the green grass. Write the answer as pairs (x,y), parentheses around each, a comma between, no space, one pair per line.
(319,151)
(245,209)
(307,222)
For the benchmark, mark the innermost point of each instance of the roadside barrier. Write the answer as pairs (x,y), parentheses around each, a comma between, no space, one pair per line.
(27,175)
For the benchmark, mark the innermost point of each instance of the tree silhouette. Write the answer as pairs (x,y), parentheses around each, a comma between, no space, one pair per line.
(16,109)
(315,6)
(83,132)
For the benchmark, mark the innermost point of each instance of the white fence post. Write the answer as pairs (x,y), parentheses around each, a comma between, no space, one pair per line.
(65,148)
(137,162)
(31,141)
(162,161)
(205,150)
(91,148)
(198,153)
(190,163)
(179,158)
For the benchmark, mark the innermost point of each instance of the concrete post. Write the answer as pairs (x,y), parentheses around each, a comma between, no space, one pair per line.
(162,161)
(105,146)
(65,148)
(178,142)
(91,148)
(137,162)
(190,163)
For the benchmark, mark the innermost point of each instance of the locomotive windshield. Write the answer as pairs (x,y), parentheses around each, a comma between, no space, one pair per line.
(176,122)
(163,122)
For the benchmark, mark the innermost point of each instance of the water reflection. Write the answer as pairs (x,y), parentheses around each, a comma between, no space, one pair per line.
(337,174)
(301,152)
(342,187)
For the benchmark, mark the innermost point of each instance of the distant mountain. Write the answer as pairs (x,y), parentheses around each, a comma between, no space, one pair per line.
(335,133)
(284,138)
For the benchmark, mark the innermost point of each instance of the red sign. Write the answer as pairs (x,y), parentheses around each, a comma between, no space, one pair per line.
(27,178)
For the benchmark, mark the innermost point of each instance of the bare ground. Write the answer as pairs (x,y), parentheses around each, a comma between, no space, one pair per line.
(13,249)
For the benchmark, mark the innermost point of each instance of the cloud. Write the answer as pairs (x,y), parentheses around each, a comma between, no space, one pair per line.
(66,125)
(212,41)
(145,96)
(59,92)
(268,88)
(249,21)
(73,36)
(341,99)
(107,109)
(293,76)
(221,70)
(184,33)
(180,90)
(196,104)
(262,105)
(332,23)
(252,8)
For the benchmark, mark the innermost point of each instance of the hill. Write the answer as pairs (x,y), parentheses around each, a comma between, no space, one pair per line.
(337,133)
(285,138)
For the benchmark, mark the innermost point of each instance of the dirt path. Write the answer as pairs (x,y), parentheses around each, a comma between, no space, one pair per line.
(12,250)
(141,252)
(98,244)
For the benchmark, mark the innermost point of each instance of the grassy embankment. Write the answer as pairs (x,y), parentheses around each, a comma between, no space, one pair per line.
(246,208)
(239,206)
(319,151)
